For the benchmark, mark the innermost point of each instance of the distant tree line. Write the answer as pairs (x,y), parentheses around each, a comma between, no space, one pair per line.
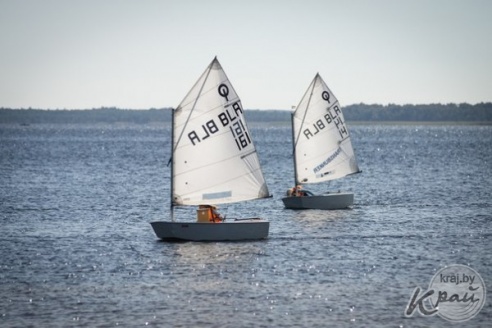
(481,112)
(99,115)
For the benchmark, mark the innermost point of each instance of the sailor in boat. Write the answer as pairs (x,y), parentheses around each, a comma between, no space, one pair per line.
(297,191)
(209,213)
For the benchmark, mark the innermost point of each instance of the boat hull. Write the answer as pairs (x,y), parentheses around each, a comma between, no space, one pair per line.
(330,201)
(239,229)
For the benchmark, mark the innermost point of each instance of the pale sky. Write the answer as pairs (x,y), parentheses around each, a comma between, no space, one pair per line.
(141,54)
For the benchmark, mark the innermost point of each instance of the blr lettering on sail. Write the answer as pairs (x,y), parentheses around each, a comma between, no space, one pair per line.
(333,116)
(322,149)
(214,161)
(231,117)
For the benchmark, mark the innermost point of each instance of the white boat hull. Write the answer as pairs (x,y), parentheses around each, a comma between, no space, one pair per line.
(239,229)
(330,201)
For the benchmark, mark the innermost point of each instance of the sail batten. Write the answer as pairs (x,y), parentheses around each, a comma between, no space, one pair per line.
(322,147)
(215,160)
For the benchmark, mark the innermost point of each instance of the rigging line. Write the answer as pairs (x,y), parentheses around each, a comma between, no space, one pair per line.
(305,111)
(194,104)
(353,152)
(344,151)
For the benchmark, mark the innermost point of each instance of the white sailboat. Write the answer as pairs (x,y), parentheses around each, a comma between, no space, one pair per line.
(322,149)
(214,161)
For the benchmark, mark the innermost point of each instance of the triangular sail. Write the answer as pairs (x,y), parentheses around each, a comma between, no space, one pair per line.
(214,158)
(322,146)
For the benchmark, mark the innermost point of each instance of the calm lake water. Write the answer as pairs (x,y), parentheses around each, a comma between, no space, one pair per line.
(77,248)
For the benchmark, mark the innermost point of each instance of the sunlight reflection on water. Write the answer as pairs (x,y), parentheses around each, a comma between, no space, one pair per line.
(78,249)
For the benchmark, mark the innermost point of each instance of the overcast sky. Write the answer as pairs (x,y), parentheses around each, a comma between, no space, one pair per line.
(147,54)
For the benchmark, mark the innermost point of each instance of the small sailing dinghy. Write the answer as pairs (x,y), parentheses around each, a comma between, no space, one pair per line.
(322,149)
(214,161)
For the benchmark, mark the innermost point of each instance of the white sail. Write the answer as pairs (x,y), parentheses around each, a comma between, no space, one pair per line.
(322,146)
(214,158)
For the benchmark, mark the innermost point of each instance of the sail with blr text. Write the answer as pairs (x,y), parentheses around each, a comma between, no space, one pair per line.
(322,149)
(214,161)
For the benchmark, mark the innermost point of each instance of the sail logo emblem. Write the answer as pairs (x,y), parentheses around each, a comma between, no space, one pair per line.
(326,96)
(327,161)
(224,91)
(230,117)
(456,293)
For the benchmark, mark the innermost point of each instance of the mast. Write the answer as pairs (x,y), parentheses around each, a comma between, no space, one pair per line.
(293,147)
(172,165)
(181,134)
